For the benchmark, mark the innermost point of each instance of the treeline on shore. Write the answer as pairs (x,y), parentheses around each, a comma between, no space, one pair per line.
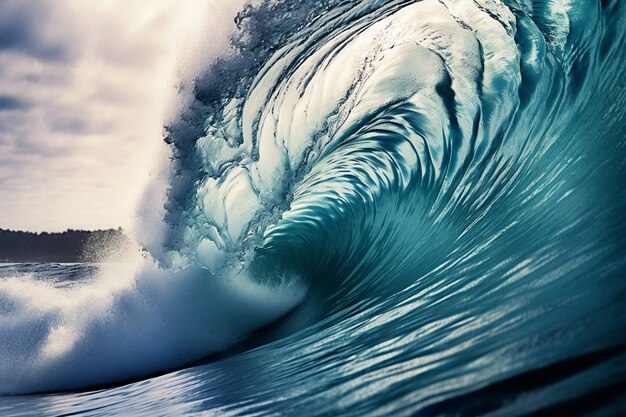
(68,246)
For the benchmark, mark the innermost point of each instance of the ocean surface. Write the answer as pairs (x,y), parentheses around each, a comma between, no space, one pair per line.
(372,208)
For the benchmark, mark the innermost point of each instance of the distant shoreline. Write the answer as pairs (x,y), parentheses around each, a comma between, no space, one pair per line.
(71,246)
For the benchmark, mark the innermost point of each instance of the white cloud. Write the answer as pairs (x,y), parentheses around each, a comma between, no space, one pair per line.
(84,88)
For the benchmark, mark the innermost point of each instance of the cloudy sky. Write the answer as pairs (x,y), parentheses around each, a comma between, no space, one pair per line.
(85,87)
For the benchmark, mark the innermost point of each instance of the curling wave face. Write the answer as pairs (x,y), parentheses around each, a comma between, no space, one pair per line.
(435,185)
(385,133)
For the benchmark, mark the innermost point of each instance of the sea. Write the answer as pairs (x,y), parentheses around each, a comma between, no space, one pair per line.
(370,208)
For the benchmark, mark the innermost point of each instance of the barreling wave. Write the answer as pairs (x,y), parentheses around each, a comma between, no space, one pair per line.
(434,185)
(351,141)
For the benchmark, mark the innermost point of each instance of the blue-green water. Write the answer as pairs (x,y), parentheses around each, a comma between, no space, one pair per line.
(374,208)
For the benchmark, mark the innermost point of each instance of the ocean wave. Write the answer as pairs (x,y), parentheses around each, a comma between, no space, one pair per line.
(435,182)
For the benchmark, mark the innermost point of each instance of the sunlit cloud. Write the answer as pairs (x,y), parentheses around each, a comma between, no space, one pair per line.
(84,87)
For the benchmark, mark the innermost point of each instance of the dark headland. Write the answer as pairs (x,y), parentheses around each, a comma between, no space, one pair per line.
(68,246)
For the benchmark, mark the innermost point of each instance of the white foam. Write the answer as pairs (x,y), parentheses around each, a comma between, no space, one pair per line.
(135,319)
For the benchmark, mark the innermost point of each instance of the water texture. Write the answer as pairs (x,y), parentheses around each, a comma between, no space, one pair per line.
(375,208)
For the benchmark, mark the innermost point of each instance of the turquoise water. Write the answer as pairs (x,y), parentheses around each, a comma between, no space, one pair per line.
(374,208)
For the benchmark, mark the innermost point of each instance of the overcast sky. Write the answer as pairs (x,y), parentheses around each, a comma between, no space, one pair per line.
(84,89)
